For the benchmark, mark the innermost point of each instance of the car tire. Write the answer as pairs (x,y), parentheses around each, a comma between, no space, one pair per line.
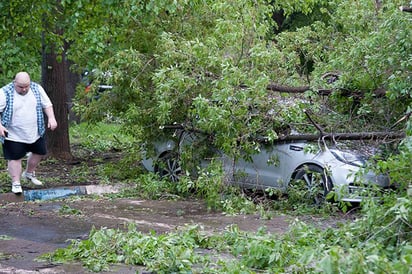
(168,166)
(315,183)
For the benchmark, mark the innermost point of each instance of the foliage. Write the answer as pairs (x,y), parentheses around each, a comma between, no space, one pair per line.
(167,253)
(20,39)
(378,242)
(176,79)
(108,137)
(398,166)
(99,137)
(5,181)
(352,42)
(149,186)
(208,63)
(67,210)
(5,238)
(98,143)
(209,187)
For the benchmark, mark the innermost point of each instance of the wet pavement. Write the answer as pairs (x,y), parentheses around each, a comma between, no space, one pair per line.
(31,228)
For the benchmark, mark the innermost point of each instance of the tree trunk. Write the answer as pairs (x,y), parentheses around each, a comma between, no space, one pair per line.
(72,80)
(54,82)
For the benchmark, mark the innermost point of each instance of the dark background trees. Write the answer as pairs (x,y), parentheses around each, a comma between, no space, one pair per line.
(31,41)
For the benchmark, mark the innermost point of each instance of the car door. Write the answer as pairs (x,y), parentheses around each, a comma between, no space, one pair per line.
(272,166)
(263,169)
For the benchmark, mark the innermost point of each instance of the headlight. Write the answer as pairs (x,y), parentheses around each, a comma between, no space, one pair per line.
(348,158)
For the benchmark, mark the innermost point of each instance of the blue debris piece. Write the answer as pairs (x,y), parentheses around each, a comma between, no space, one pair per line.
(55,193)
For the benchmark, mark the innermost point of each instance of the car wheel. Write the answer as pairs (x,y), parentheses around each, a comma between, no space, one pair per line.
(168,166)
(314,182)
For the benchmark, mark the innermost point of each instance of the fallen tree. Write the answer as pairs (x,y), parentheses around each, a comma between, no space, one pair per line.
(322,135)
(376,135)
(329,77)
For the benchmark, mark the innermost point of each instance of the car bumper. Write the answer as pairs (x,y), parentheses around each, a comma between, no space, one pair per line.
(353,188)
(371,186)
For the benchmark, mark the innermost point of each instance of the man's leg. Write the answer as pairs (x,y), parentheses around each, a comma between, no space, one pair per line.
(14,167)
(32,162)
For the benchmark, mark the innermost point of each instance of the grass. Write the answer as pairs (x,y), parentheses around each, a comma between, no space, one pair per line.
(98,137)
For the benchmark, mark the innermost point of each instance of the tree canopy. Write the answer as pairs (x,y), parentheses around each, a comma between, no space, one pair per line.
(208,64)
(238,69)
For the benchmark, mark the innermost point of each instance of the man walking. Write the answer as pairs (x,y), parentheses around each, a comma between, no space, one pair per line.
(22,128)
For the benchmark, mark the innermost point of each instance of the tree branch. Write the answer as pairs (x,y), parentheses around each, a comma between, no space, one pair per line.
(379,92)
(318,127)
(347,136)
(374,135)
(280,88)
(405,117)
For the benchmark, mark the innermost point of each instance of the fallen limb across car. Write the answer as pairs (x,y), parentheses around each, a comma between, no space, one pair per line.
(377,135)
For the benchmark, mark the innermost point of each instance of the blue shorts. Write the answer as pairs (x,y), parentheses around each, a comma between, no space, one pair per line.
(16,150)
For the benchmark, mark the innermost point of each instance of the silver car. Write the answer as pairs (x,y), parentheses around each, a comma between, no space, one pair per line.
(318,168)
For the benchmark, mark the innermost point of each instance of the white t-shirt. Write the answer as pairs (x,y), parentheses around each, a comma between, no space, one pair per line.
(23,124)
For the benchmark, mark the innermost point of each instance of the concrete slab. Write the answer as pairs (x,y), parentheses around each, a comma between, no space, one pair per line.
(102,189)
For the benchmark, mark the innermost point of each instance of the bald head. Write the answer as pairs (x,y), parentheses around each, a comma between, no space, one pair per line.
(22,78)
(22,82)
